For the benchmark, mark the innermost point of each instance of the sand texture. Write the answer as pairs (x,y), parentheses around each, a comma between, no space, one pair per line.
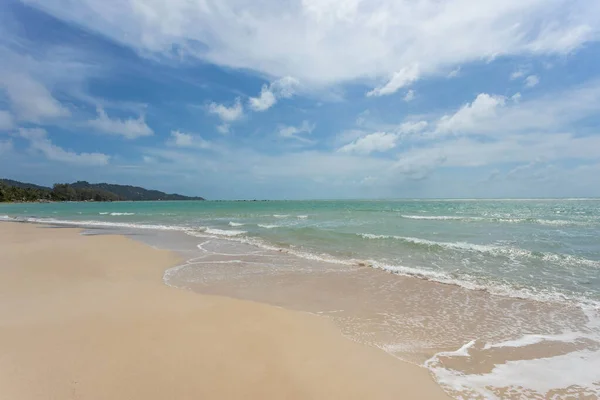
(89,317)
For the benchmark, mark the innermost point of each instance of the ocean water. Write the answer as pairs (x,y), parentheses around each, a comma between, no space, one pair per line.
(497,298)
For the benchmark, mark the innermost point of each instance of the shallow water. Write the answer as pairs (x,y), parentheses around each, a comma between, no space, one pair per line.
(498,298)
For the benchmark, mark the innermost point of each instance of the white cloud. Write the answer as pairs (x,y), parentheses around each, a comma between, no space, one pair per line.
(520,169)
(378,141)
(128,128)
(412,127)
(514,133)
(516,97)
(350,135)
(454,73)
(295,132)
(6,121)
(39,141)
(328,42)
(470,116)
(227,114)
(409,96)
(285,87)
(493,115)
(367,143)
(223,129)
(181,139)
(517,74)
(400,79)
(264,101)
(269,94)
(465,152)
(29,99)
(531,81)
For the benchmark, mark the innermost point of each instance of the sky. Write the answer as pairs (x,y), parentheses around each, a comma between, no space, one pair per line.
(304,99)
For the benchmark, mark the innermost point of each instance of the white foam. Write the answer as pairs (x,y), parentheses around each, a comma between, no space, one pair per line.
(222,232)
(464,281)
(414,272)
(432,217)
(302,216)
(267,226)
(490,249)
(107,224)
(6,218)
(235,223)
(281,215)
(450,245)
(301,254)
(528,340)
(121,213)
(550,222)
(578,368)
(103,213)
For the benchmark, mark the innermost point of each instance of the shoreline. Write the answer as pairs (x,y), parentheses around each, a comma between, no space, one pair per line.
(114,329)
(526,294)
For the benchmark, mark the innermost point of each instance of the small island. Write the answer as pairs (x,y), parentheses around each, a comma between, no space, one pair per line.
(14,191)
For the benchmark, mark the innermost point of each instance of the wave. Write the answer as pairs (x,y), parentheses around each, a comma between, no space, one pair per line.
(235,223)
(121,213)
(281,215)
(222,232)
(493,250)
(110,224)
(434,217)
(431,243)
(576,368)
(267,226)
(464,280)
(298,253)
(521,377)
(302,216)
(549,222)
(104,224)
(531,339)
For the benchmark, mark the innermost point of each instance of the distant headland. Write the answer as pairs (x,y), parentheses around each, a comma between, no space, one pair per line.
(15,191)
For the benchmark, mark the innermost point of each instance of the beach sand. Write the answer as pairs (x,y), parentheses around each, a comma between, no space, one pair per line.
(89,317)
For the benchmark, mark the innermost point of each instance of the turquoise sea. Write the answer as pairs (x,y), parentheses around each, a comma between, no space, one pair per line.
(471,280)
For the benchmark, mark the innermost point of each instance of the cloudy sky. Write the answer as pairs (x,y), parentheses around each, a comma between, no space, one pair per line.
(304,98)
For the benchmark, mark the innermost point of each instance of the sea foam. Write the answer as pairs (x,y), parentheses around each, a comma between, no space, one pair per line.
(267,226)
(492,219)
(223,232)
(540,375)
(494,250)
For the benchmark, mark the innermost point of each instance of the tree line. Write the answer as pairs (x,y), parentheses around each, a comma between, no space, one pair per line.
(59,192)
(15,191)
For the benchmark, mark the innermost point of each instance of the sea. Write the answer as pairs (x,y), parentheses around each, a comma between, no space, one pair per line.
(498,299)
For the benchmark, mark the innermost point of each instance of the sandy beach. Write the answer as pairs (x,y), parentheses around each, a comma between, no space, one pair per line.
(89,317)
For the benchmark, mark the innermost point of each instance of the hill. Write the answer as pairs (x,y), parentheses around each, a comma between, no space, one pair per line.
(22,185)
(11,191)
(134,193)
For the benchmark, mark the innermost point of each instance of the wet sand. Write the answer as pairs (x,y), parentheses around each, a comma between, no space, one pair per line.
(89,317)
(477,344)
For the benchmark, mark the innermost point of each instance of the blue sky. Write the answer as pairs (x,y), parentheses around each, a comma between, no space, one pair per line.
(304,98)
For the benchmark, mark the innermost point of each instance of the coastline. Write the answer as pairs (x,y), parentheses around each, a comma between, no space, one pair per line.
(90,317)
